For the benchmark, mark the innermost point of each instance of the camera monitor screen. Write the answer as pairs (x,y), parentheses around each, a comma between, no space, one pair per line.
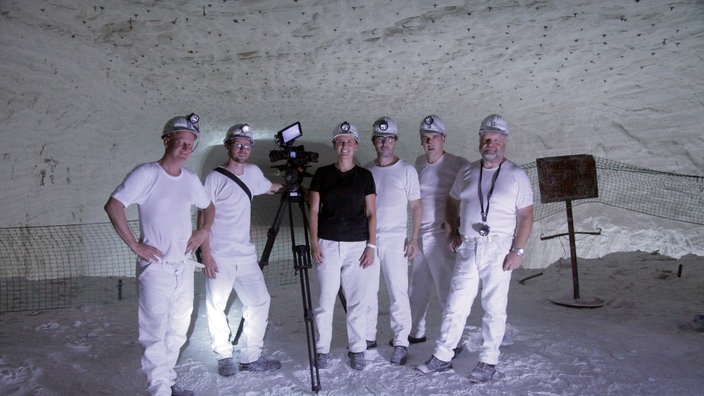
(290,133)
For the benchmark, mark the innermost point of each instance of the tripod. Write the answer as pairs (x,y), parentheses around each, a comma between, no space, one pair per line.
(301,262)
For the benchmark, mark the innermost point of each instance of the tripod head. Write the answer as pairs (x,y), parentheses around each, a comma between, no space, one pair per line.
(293,175)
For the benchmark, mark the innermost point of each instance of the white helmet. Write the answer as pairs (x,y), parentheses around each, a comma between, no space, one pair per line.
(239,130)
(432,123)
(345,128)
(384,126)
(493,123)
(177,124)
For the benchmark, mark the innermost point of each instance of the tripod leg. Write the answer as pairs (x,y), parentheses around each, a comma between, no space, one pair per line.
(302,262)
(303,258)
(343,300)
(236,340)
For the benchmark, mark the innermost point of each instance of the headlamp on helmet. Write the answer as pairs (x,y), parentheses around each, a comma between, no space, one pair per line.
(345,128)
(239,130)
(432,123)
(384,126)
(187,123)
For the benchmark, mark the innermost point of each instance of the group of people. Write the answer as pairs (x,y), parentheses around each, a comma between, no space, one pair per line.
(358,230)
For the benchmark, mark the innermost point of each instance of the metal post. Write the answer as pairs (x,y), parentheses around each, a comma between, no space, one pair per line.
(573,250)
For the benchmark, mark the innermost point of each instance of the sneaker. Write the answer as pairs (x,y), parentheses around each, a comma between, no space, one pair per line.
(323,360)
(434,365)
(482,373)
(357,361)
(399,355)
(178,391)
(371,344)
(261,364)
(417,340)
(226,367)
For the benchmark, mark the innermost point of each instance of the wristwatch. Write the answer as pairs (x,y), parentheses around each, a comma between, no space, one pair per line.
(518,251)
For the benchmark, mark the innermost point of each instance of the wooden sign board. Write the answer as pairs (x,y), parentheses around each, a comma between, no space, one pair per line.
(567,177)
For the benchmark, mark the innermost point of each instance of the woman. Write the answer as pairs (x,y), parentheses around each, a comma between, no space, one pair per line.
(342,233)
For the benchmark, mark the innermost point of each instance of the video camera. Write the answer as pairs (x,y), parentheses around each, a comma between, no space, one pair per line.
(297,159)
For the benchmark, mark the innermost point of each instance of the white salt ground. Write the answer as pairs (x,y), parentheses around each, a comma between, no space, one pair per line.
(642,341)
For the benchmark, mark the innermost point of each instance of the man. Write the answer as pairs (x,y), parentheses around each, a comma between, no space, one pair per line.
(490,214)
(396,187)
(433,263)
(230,257)
(165,192)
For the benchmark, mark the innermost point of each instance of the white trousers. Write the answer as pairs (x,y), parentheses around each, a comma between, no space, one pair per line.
(394,265)
(432,266)
(244,276)
(341,266)
(164,314)
(478,261)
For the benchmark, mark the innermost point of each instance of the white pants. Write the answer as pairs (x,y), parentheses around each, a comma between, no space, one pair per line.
(244,276)
(164,314)
(478,260)
(394,265)
(432,266)
(341,266)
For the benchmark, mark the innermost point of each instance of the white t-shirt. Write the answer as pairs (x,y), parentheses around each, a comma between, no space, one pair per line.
(230,234)
(396,186)
(164,206)
(435,182)
(512,192)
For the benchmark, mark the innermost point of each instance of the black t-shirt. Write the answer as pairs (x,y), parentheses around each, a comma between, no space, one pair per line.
(342,216)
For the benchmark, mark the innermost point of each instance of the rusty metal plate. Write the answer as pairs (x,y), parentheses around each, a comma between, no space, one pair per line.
(567,177)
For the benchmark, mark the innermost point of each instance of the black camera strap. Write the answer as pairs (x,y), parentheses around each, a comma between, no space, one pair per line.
(235,179)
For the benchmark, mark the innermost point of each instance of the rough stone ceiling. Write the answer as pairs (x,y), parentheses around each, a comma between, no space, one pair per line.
(620,80)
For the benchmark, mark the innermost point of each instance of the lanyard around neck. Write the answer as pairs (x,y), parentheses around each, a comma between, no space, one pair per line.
(485,214)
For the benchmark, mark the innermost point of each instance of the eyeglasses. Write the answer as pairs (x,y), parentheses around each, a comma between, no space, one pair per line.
(242,146)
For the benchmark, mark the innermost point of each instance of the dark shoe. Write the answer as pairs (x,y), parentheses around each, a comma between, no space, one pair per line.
(417,340)
(399,355)
(177,391)
(482,373)
(371,344)
(357,361)
(323,360)
(434,365)
(261,364)
(226,367)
